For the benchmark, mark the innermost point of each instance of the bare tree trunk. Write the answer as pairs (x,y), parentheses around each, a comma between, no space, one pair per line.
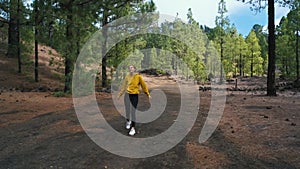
(69,61)
(271,89)
(13,30)
(251,66)
(18,39)
(240,64)
(36,61)
(36,48)
(221,65)
(297,55)
(104,58)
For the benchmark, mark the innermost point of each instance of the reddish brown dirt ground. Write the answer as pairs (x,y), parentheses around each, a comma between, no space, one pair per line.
(39,130)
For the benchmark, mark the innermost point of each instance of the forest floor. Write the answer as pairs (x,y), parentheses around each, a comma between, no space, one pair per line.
(39,130)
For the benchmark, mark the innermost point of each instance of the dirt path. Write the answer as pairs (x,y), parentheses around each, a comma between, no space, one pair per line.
(42,131)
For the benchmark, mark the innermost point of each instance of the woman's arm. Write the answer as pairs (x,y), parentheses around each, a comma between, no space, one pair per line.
(144,86)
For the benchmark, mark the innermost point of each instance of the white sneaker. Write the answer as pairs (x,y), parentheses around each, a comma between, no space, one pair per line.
(128,125)
(132,131)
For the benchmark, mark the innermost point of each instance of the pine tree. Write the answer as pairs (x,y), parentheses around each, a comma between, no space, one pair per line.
(294,25)
(255,60)
(222,22)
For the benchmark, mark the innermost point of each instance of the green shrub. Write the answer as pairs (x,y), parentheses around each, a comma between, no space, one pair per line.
(59,94)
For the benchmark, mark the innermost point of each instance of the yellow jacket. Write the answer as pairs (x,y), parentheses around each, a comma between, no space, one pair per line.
(132,83)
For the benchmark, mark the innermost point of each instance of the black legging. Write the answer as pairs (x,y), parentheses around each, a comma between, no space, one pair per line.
(131,101)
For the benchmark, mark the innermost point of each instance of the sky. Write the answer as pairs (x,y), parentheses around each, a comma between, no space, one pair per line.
(205,12)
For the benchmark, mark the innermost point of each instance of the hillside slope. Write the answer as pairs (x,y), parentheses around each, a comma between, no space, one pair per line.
(50,72)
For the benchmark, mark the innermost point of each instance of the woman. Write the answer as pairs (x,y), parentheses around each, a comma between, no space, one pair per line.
(130,86)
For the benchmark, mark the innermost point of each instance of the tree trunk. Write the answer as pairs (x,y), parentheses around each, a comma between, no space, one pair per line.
(104,58)
(36,48)
(271,89)
(36,62)
(69,56)
(287,68)
(251,66)
(221,65)
(174,65)
(18,38)
(297,54)
(240,64)
(13,42)
(146,59)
